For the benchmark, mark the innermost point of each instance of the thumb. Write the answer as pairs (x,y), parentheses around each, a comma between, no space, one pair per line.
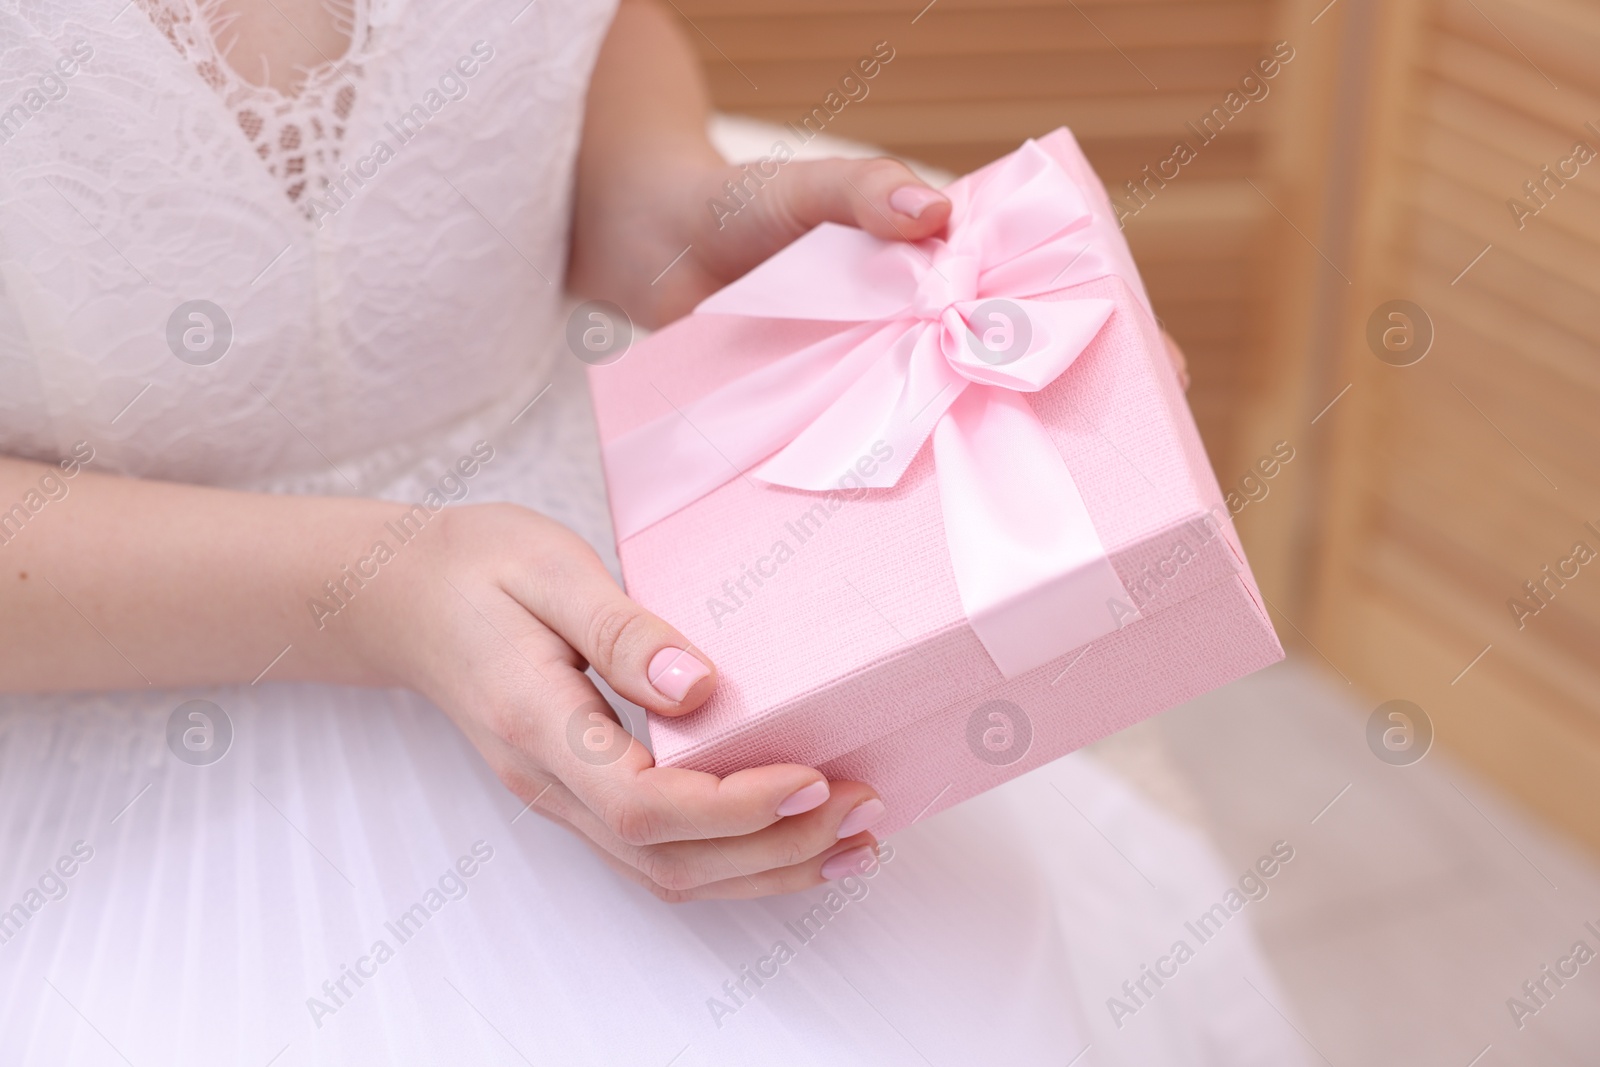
(880,196)
(640,656)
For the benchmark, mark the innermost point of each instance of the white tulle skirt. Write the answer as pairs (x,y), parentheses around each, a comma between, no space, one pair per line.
(349,885)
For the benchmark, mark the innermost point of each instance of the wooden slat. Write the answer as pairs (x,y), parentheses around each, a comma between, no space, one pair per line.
(1016,120)
(1500,718)
(803,81)
(1416,570)
(997,29)
(1445,453)
(1509,81)
(1523,270)
(1443,497)
(907,9)
(1491,320)
(1516,137)
(1225,280)
(1445,155)
(1558,41)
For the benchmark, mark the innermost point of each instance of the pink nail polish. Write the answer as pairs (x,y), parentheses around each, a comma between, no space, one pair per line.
(851,861)
(860,817)
(804,800)
(674,672)
(913,200)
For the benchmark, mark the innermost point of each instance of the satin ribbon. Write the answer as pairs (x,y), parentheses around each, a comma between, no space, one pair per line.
(1033,576)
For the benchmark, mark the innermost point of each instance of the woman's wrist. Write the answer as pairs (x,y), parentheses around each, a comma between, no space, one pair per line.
(366,595)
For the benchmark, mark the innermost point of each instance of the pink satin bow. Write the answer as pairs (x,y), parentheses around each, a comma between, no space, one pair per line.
(1031,571)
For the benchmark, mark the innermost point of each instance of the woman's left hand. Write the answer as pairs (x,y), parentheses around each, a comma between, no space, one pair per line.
(661,221)
(702,223)
(647,230)
(733,227)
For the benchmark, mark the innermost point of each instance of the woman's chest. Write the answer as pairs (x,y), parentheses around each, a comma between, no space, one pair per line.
(410,289)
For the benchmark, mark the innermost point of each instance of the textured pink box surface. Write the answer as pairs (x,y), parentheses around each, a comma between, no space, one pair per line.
(834,619)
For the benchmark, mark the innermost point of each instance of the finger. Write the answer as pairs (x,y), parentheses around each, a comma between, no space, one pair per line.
(686,865)
(881,196)
(788,843)
(642,657)
(583,744)
(563,728)
(683,865)
(857,856)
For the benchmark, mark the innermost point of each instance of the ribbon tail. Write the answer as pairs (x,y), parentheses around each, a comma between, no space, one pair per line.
(834,273)
(1034,579)
(870,435)
(666,465)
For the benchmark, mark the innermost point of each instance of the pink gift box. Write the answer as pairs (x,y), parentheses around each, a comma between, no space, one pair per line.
(835,619)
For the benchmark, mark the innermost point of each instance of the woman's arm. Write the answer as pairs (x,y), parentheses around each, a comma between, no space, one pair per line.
(490,610)
(121,583)
(647,172)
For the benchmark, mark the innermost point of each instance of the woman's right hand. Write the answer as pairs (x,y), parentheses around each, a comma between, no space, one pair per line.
(494,611)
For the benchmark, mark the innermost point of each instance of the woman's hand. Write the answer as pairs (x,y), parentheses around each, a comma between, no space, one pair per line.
(656,228)
(880,196)
(646,233)
(495,613)
(490,610)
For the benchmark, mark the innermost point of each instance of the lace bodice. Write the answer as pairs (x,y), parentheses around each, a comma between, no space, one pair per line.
(297,135)
(211,282)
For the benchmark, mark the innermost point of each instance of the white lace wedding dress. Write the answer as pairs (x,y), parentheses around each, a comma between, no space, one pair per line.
(370,313)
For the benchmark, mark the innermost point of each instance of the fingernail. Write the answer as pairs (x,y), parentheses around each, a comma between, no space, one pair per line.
(803,800)
(673,672)
(857,860)
(861,816)
(913,200)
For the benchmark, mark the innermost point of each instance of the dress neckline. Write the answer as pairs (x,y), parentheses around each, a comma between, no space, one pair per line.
(297,136)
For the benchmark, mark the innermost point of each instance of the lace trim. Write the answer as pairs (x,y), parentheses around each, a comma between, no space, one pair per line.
(298,136)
